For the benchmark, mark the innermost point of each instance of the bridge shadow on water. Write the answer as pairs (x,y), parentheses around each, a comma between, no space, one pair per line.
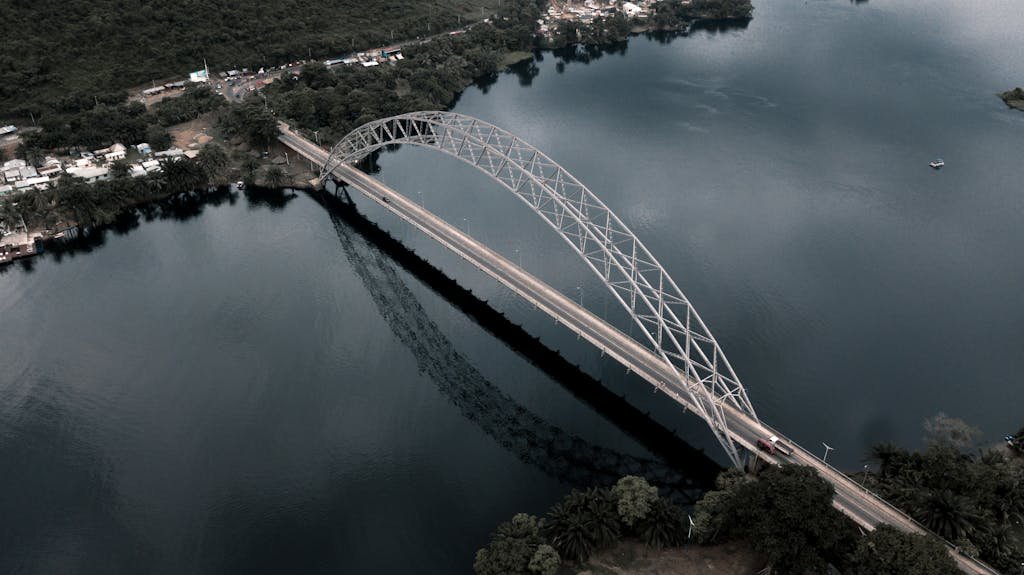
(678,468)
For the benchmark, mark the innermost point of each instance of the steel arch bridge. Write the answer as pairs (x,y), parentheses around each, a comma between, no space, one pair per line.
(667,319)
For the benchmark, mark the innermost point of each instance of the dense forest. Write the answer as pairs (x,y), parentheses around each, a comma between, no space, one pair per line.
(431,76)
(69,53)
(125,122)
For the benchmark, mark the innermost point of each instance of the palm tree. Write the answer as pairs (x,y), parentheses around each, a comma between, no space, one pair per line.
(1008,502)
(602,508)
(273,177)
(663,526)
(184,176)
(568,530)
(889,457)
(252,165)
(948,514)
(212,159)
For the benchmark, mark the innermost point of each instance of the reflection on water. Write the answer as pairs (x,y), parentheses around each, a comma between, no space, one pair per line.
(562,455)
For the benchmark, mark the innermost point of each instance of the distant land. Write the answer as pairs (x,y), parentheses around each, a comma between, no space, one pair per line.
(1014,98)
(59,51)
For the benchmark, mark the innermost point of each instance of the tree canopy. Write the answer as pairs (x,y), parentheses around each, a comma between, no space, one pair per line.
(888,551)
(63,54)
(786,514)
(974,498)
(513,548)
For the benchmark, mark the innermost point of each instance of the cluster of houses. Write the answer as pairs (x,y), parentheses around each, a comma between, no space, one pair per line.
(20,176)
(588,10)
(369,59)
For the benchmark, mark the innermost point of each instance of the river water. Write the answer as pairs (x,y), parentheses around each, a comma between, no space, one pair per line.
(254,385)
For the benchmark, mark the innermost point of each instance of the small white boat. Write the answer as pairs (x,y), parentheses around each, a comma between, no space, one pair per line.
(937,164)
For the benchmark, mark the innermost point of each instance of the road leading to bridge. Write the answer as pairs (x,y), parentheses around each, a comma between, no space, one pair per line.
(861,505)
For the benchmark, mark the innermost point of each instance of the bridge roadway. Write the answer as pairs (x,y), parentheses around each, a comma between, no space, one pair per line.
(861,505)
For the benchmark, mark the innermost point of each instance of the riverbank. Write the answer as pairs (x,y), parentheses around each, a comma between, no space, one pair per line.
(573,25)
(1014,98)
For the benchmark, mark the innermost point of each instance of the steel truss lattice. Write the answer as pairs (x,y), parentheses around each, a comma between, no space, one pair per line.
(655,303)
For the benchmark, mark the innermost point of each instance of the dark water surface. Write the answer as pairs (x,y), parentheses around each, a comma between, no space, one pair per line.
(261,389)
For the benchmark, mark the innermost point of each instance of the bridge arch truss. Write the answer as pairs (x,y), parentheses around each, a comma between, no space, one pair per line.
(670,324)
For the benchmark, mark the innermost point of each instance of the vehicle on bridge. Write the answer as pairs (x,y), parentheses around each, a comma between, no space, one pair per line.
(774,446)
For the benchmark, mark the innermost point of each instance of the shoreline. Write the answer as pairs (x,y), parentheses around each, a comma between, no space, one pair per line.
(1013,98)
(296,176)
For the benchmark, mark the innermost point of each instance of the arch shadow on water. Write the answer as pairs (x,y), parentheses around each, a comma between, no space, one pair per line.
(679,468)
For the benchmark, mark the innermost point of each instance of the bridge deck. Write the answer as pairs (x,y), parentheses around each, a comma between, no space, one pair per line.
(861,505)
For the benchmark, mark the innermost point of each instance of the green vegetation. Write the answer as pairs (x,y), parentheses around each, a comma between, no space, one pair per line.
(128,123)
(888,551)
(431,76)
(73,201)
(973,498)
(274,177)
(583,523)
(1014,98)
(604,30)
(251,121)
(514,548)
(74,90)
(784,514)
(60,55)
(671,14)
(635,497)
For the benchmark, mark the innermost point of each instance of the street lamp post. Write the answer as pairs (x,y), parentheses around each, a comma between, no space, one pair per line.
(580,289)
(864,477)
(827,449)
(689,532)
